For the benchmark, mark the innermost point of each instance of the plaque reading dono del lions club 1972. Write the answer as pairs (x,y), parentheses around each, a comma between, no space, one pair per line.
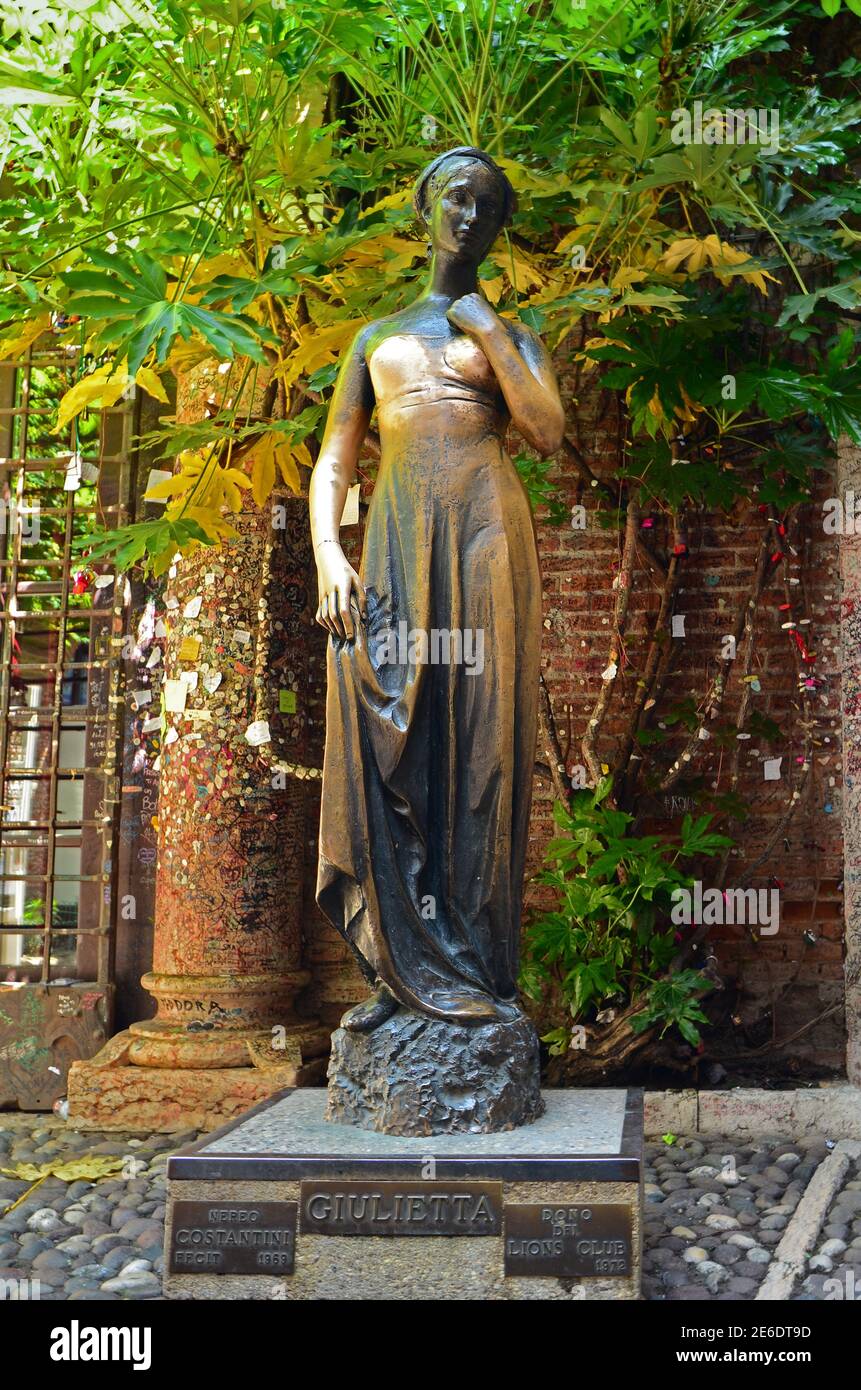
(581,1242)
(233,1238)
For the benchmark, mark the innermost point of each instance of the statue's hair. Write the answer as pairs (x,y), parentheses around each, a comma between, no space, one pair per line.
(433,176)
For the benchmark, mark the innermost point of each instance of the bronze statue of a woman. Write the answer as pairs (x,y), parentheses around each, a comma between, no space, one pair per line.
(433,662)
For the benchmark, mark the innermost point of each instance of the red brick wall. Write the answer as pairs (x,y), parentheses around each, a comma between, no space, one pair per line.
(779,983)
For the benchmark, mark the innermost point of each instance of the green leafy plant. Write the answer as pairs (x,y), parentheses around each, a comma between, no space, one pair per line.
(607,939)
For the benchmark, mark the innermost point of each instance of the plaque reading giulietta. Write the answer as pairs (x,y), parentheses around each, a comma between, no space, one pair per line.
(362,1208)
(578,1241)
(233,1238)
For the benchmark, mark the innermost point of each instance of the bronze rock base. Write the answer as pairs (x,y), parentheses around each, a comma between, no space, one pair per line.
(415,1075)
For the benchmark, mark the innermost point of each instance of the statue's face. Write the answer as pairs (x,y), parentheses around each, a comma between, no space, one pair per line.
(467,212)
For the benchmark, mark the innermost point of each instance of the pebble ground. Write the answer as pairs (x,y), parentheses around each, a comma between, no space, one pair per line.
(715,1211)
(84,1240)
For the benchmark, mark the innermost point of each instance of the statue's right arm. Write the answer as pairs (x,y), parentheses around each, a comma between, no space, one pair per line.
(347,424)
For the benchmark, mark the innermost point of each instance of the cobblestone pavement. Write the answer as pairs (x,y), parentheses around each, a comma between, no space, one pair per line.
(84,1240)
(836,1259)
(715,1211)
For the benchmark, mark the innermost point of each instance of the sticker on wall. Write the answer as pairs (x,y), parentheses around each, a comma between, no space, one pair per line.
(771,769)
(287,701)
(193,607)
(175,695)
(154,477)
(679,624)
(189,649)
(258,733)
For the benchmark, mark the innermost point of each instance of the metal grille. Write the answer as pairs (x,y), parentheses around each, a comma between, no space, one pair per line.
(60,710)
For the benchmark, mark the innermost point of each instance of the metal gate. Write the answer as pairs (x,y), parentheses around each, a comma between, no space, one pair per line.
(61,637)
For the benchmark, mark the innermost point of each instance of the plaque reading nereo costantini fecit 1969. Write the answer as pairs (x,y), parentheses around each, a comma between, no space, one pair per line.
(582,1242)
(233,1238)
(368,1208)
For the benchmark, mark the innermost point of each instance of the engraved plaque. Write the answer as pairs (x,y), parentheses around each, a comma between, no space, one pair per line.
(404,1208)
(581,1241)
(233,1238)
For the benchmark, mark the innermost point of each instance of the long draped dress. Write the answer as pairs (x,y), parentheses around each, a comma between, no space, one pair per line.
(428,768)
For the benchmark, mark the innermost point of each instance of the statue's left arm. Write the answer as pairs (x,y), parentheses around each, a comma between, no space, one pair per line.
(523,369)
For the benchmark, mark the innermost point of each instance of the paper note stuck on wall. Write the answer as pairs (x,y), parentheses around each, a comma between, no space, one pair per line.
(175,695)
(189,649)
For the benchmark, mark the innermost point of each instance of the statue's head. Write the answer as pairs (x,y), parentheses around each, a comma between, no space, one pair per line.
(464,200)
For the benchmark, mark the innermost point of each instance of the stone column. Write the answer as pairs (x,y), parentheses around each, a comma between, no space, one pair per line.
(849,489)
(227,957)
(229,661)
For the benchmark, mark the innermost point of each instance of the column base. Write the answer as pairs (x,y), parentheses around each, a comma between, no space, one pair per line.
(157,1043)
(109,1092)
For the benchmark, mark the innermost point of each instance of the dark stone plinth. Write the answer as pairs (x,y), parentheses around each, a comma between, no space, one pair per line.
(417,1075)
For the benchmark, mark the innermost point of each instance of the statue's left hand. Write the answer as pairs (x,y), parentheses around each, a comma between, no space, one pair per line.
(473,314)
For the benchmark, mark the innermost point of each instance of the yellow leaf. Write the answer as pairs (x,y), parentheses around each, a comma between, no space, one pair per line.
(214,525)
(731,256)
(655,406)
(15,344)
(568,240)
(522,274)
(492,289)
(169,487)
(303,454)
(162,562)
(225,263)
(184,356)
(402,199)
(89,390)
(263,468)
(627,275)
(288,470)
(94,1166)
(151,383)
(193,461)
(234,476)
(526,180)
(698,257)
(318,346)
(717,254)
(395,253)
(231,497)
